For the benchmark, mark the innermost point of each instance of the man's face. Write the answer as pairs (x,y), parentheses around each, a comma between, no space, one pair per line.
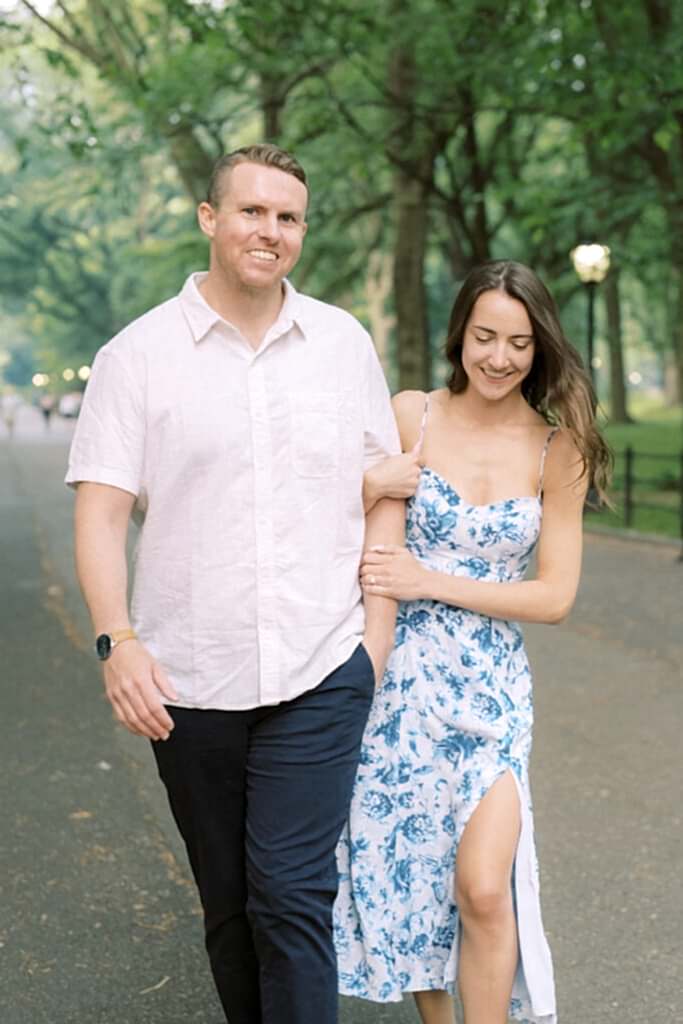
(258,228)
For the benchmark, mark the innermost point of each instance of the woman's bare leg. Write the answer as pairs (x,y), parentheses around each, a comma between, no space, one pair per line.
(435,1007)
(483,893)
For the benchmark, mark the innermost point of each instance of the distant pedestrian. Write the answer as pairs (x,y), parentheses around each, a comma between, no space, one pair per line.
(9,408)
(47,405)
(236,421)
(439,876)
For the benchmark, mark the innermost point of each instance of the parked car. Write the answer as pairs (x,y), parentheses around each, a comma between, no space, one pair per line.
(70,404)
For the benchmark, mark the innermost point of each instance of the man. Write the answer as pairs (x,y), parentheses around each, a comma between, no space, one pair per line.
(235,421)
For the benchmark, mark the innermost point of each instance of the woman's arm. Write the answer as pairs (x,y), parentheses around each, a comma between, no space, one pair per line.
(548,598)
(385,521)
(398,475)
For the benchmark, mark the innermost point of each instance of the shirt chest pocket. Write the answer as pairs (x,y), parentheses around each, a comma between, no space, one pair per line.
(315,429)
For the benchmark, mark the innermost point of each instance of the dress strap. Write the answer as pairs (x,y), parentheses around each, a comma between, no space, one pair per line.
(541,469)
(423,424)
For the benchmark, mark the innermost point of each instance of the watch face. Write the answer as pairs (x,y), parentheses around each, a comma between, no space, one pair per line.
(103,646)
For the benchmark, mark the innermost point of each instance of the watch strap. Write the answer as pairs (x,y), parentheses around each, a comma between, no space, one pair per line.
(119,635)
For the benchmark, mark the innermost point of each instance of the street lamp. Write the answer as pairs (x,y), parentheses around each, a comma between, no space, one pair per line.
(591,263)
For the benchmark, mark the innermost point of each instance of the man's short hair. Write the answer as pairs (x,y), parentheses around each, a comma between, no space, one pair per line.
(261,153)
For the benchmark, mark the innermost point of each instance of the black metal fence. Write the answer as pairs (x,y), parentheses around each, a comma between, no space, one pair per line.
(651,482)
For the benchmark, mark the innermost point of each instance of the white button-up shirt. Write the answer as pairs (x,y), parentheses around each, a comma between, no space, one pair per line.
(247,467)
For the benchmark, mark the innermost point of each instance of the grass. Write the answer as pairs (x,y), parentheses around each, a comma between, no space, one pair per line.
(655,429)
(656,438)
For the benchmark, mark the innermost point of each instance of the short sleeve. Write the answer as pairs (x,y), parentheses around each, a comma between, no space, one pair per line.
(108,444)
(380,431)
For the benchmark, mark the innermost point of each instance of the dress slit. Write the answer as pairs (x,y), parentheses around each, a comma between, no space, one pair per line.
(534,967)
(451,972)
(534,964)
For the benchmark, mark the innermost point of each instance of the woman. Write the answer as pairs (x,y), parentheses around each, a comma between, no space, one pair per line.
(438,869)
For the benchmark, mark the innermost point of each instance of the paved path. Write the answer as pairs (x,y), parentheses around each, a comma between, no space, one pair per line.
(98,919)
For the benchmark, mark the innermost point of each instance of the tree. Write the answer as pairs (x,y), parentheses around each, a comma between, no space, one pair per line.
(434,135)
(628,102)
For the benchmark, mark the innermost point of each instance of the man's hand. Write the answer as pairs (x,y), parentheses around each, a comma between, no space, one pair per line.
(134,683)
(378,652)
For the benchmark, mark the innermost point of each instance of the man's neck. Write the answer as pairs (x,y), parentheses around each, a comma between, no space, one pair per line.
(252,311)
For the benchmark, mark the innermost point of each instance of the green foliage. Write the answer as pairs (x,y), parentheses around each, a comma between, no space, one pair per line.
(19,368)
(530,127)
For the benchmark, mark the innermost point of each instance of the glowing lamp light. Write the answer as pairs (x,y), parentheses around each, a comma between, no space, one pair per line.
(68,374)
(84,373)
(591,262)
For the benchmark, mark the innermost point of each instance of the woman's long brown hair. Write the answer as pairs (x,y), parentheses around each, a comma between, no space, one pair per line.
(557,386)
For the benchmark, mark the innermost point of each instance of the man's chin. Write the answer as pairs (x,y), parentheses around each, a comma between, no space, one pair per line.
(262,282)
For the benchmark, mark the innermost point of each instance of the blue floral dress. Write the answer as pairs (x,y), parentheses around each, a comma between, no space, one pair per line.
(452,715)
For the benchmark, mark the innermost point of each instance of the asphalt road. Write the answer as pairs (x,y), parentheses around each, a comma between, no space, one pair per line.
(98,918)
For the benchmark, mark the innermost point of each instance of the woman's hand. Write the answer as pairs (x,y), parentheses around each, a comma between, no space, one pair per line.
(394,477)
(391,571)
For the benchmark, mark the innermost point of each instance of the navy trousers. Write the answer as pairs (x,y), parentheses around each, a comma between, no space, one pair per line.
(260,798)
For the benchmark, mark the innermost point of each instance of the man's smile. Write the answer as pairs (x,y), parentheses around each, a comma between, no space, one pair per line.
(266,255)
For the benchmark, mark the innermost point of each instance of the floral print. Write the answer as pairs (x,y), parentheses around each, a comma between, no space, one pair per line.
(453,713)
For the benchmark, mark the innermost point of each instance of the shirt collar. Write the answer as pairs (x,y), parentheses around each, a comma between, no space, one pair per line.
(198,313)
(201,317)
(291,313)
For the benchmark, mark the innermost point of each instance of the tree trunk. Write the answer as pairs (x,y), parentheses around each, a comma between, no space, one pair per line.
(413,164)
(479,228)
(272,106)
(378,280)
(193,163)
(410,298)
(677,334)
(617,382)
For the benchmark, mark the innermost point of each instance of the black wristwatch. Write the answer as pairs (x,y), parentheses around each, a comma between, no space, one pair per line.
(106,642)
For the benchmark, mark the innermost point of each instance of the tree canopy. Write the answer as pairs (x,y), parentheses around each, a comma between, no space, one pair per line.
(435,135)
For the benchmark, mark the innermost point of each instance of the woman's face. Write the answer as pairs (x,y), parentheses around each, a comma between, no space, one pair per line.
(498,345)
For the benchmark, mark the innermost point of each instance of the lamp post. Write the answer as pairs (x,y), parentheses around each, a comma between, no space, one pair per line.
(591,263)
